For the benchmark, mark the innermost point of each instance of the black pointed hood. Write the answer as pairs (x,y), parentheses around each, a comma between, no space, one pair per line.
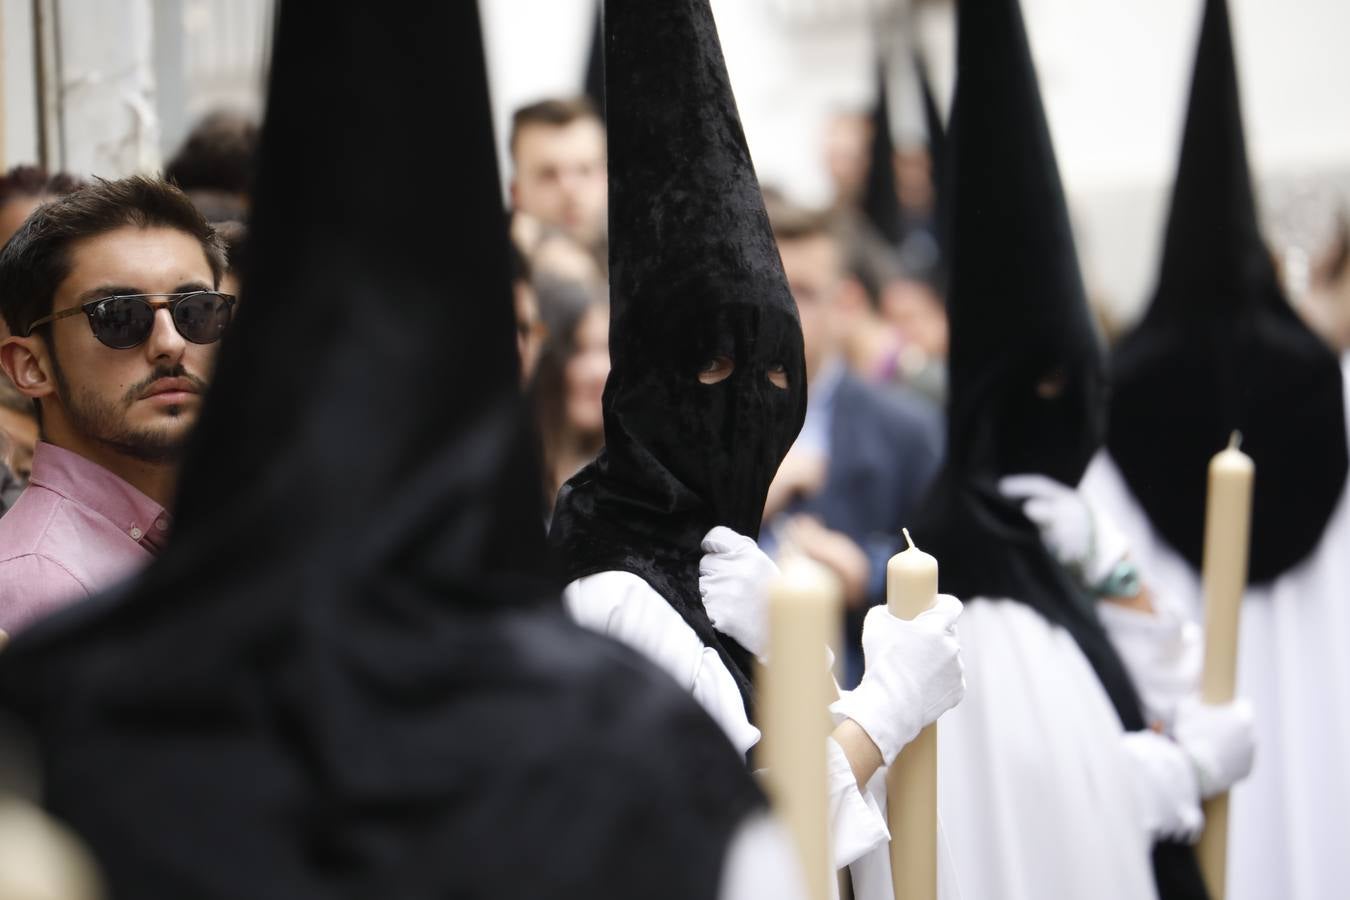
(594,83)
(1221,349)
(694,276)
(349,664)
(937,155)
(1027,376)
(881,197)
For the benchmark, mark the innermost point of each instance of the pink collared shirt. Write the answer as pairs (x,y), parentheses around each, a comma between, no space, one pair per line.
(74,531)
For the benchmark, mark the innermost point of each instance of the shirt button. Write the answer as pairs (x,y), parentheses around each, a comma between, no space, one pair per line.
(137,534)
(162,523)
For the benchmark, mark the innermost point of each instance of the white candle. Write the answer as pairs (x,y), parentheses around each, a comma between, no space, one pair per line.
(1228,519)
(805,605)
(911,782)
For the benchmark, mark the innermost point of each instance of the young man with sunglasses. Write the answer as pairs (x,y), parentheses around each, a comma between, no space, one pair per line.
(110,295)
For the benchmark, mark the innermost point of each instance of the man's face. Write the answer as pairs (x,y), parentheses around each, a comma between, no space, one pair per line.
(814,275)
(140,402)
(560,177)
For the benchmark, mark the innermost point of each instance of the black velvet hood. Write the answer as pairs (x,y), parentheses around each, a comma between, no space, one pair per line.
(694,275)
(349,674)
(1221,349)
(1027,375)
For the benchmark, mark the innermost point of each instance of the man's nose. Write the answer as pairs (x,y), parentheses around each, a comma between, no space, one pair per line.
(165,344)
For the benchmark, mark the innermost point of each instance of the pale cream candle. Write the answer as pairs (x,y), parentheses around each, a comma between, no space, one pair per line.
(1228,520)
(805,608)
(911,782)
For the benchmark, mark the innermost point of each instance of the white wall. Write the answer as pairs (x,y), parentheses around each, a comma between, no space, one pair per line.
(16,82)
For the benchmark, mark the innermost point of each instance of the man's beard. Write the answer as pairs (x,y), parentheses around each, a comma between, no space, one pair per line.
(106,422)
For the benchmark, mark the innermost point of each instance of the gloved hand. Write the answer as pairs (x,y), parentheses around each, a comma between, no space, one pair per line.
(1074,533)
(1163,781)
(1220,741)
(733,580)
(913,675)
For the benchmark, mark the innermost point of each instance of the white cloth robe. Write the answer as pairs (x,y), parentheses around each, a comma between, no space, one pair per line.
(626,608)
(1289,822)
(1038,794)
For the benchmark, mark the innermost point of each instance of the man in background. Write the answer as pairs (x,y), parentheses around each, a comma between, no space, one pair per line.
(865,455)
(110,293)
(559,157)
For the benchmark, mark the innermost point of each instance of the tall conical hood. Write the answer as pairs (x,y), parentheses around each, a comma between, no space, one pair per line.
(1027,380)
(696,291)
(881,197)
(594,83)
(1220,350)
(346,670)
(937,155)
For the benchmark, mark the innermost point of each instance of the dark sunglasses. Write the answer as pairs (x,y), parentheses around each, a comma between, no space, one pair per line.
(126,321)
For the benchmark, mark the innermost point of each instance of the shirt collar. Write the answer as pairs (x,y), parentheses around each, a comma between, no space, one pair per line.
(87,484)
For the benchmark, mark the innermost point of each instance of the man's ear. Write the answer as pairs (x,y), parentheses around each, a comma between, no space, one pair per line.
(28,364)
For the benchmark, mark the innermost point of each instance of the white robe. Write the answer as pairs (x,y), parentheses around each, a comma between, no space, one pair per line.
(1289,827)
(1039,795)
(626,608)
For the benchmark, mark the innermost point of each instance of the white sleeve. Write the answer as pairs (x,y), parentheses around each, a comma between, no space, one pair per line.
(1165,786)
(623,606)
(761,864)
(857,824)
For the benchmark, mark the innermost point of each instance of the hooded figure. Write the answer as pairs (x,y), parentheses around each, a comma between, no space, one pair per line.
(1027,396)
(696,289)
(349,674)
(706,394)
(593,84)
(881,194)
(1220,350)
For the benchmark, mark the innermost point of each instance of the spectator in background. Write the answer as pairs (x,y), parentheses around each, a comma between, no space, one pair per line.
(22,190)
(864,458)
(530,329)
(215,165)
(111,294)
(570,380)
(559,158)
(918,313)
(1327,305)
(19,426)
(234,235)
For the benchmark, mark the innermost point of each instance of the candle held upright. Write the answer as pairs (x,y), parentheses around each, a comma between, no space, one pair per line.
(805,610)
(911,782)
(1228,520)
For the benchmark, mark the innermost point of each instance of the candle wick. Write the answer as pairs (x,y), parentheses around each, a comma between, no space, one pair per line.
(908,539)
(1235,440)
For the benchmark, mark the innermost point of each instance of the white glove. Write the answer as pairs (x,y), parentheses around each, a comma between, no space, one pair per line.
(1220,741)
(1163,781)
(1075,534)
(733,581)
(913,675)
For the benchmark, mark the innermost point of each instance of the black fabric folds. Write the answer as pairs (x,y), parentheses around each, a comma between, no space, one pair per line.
(881,197)
(1028,388)
(1220,349)
(694,275)
(349,674)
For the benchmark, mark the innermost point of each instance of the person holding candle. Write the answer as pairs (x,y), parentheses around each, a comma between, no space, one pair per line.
(1051,783)
(1219,350)
(706,393)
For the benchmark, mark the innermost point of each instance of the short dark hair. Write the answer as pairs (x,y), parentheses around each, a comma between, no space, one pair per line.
(555,113)
(218,155)
(34,181)
(798,223)
(37,259)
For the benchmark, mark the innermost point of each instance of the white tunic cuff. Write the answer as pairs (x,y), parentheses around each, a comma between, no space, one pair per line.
(857,824)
